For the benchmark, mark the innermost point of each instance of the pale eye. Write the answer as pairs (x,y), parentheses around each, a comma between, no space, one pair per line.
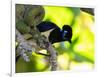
(64,34)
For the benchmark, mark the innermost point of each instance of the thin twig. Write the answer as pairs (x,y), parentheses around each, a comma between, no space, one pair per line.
(88,10)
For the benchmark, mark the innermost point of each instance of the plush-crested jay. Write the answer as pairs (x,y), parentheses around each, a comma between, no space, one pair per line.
(55,33)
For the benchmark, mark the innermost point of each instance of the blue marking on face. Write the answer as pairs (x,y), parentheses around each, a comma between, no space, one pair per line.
(64,34)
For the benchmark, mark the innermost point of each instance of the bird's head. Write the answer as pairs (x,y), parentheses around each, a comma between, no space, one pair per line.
(67,33)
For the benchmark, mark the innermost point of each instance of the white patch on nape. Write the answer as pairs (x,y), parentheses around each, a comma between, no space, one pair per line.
(47,33)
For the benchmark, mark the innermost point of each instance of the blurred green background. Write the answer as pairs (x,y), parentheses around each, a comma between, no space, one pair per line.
(79,55)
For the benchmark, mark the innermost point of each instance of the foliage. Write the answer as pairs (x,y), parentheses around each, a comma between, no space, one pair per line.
(78,55)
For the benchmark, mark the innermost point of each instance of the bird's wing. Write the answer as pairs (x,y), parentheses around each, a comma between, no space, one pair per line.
(45,26)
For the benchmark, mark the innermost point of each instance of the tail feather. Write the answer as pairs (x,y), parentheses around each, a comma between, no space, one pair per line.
(46,25)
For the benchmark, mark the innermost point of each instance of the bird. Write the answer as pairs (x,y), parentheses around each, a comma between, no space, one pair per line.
(54,33)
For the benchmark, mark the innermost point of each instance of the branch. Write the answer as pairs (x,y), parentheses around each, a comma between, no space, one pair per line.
(33,15)
(88,10)
(24,47)
(43,42)
(29,46)
(53,57)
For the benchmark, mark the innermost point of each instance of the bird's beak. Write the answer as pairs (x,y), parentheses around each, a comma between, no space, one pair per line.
(69,41)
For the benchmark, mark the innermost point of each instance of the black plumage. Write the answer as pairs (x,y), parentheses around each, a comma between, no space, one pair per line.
(57,34)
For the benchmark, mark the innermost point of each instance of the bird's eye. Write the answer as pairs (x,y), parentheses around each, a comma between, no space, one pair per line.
(65,34)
